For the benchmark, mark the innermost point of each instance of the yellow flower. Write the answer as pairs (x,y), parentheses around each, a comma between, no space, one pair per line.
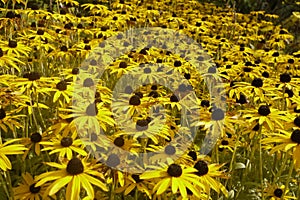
(134,181)
(27,190)
(207,173)
(76,174)
(277,192)
(9,149)
(9,120)
(33,142)
(64,145)
(287,140)
(174,177)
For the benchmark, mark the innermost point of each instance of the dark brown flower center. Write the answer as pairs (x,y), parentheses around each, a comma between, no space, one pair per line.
(113,160)
(257,82)
(119,141)
(128,89)
(40,32)
(94,137)
(75,166)
(205,103)
(61,86)
(264,110)
(32,76)
(278,193)
(154,87)
(217,114)
(2,113)
(174,98)
(88,82)
(35,137)
(92,110)
(297,121)
(295,137)
(174,170)
(147,70)
(33,189)
(193,155)
(12,44)
(212,70)
(75,71)
(170,150)
(265,74)
(142,125)
(224,142)
(64,48)
(135,100)
(177,63)
(202,168)
(285,78)
(123,65)
(136,178)
(66,141)
(242,99)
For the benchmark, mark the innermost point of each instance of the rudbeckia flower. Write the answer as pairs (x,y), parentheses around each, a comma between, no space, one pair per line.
(8,148)
(174,177)
(207,174)
(27,190)
(62,88)
(15,48)
(76,174)
(9,60)
(286,140)
(134,181)
(275,192)
(7,119)
(268,117)
(64,145)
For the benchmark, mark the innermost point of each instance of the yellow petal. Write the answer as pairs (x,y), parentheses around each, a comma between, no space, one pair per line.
(58,184)
(163,186)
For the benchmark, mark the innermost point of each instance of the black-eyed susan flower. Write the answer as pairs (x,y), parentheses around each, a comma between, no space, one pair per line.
(33,143)
(285,140)
(27,190)
(268,116)
(76,174)
(9,120)
(276,192)
(96,115)
(15,48)
(134,181)
(173,177)
(7,148)
(64,145)
(62,88)
(207,174)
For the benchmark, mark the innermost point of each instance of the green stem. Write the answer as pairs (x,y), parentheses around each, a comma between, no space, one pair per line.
(289,175)
(4,185)
(9,184)
(136,194)
(261,163)
(281,169)
(233,158)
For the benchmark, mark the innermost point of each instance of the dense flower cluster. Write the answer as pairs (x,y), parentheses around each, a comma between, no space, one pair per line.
(45,63)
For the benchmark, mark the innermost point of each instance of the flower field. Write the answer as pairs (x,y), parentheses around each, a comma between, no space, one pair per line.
(137,99)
